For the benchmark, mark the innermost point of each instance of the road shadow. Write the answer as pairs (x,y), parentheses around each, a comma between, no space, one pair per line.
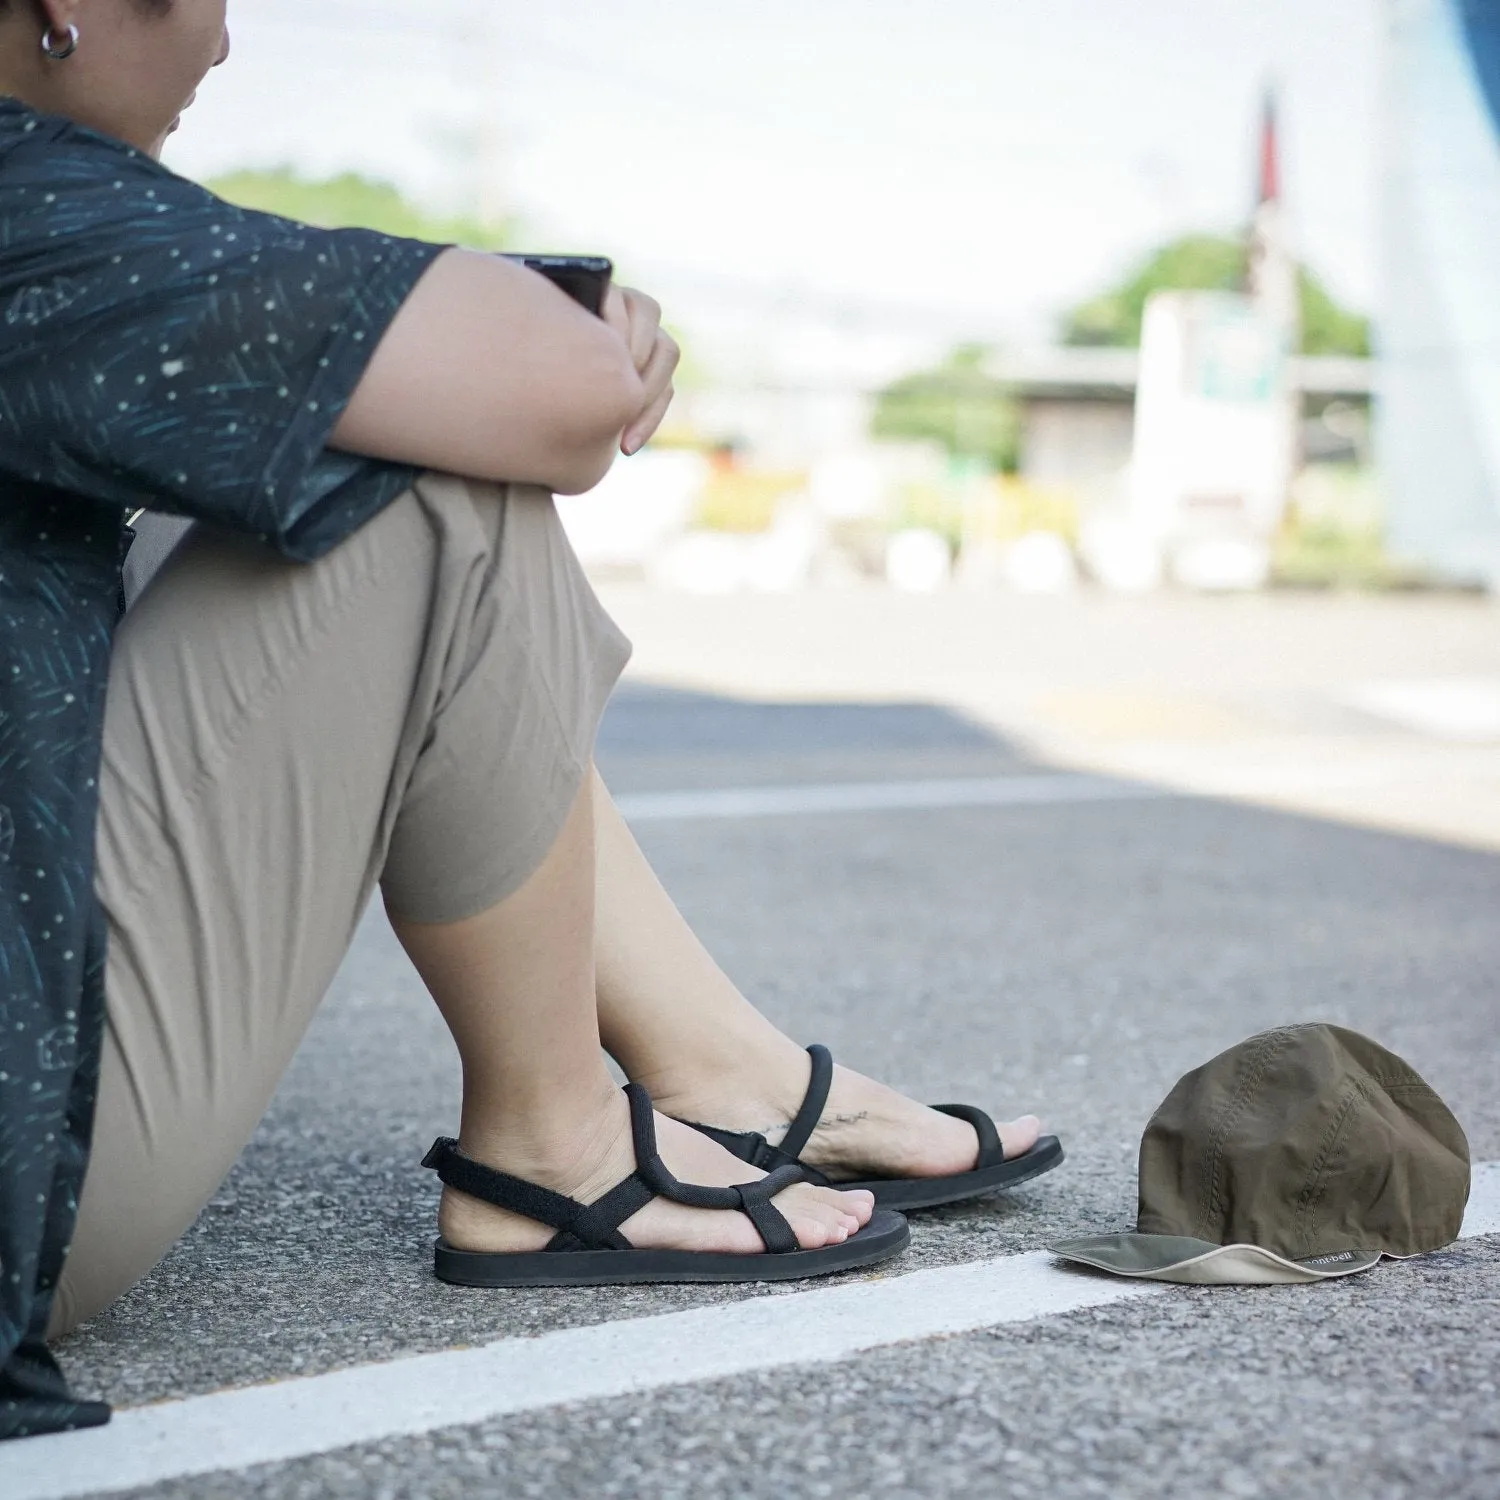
(659,738)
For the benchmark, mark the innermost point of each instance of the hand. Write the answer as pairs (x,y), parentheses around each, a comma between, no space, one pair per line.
(637,319)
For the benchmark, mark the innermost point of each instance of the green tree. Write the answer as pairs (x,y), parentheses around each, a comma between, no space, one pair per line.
(1203,262)
(351,201)
(1328,328)
(957,405)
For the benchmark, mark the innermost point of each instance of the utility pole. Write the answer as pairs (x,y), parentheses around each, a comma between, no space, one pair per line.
(1273,284)
(1273,268)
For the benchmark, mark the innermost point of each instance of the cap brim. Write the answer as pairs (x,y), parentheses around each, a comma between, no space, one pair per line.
(1170,1257)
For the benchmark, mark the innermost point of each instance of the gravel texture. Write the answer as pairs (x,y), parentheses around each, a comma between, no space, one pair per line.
(1072,959)
(1386,1386)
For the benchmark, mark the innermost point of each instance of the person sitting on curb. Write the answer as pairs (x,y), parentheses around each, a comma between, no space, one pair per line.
(372,660)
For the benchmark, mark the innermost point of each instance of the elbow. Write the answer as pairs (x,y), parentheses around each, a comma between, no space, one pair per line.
(620,392)
(584,470)
(596,422)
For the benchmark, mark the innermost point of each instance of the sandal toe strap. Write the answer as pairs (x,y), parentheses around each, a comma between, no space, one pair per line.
(771,1224)
(991,1151)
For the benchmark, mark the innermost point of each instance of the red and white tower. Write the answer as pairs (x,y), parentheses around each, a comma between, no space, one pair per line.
(1272,267)
(1217,409)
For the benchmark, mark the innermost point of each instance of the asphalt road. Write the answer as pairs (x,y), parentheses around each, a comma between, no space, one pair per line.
(1072,959)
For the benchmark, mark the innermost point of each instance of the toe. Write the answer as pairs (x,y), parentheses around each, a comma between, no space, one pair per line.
(1019,1136)
(858,1205)
(817,1217)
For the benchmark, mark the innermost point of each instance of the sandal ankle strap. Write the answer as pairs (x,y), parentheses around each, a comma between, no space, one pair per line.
(799,1132)
(596,1226)
(591,1226)
(753,1147)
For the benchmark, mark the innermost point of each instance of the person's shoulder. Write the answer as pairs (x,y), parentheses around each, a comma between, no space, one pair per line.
(58,177)
(62,180)
(54,145)
(68,191)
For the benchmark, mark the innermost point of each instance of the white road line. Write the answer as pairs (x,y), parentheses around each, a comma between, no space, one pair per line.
(881,796)
(1447,708)
(1483,1213)
(296,1418)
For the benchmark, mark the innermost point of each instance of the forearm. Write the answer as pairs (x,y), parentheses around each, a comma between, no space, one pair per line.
(489,371)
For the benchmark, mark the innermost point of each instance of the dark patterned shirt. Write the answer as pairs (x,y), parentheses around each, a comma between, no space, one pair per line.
(159,349)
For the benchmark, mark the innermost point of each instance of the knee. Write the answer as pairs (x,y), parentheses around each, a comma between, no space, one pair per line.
(496,512)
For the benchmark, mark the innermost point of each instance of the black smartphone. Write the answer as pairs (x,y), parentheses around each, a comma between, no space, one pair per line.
(585,278)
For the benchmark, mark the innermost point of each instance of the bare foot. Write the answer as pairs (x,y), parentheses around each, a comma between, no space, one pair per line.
(599,1154)
(866,1130)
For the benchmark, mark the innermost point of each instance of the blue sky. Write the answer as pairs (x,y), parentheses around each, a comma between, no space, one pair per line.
(954,164)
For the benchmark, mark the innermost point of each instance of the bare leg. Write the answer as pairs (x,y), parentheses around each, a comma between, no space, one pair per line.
(516,987)
(676,1023)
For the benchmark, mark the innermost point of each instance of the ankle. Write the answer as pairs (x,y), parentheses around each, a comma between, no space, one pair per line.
(755,1086)
(562,1149)
(581,1155)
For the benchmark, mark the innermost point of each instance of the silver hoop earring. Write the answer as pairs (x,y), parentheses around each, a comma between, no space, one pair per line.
(60,51)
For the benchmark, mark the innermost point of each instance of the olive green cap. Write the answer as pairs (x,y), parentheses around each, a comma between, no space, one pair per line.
(1304,1153)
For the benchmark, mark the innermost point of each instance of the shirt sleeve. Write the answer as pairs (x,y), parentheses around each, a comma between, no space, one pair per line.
(165,349)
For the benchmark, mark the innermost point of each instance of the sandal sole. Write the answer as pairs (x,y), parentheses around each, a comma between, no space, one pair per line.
(907,1193)
(884,1236)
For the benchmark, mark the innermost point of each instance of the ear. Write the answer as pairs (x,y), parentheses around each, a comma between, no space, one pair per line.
(60,14)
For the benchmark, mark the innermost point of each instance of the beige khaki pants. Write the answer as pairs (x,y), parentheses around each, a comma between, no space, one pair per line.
(417,709)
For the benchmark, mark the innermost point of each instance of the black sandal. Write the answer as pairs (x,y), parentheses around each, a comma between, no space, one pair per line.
(589,1249)
(991,1172)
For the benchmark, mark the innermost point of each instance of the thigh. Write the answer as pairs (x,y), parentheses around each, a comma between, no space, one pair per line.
(418,708)
(262,719)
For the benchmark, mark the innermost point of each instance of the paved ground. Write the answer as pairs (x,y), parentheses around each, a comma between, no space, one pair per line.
(1381,710)
(1073,958)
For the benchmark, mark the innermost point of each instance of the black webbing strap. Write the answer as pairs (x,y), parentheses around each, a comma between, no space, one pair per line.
(753,1199)
(596,1226)
(991,1151)
(753,1147)
(653,1170)
(755,1203)
(799,1131)
(516,1194)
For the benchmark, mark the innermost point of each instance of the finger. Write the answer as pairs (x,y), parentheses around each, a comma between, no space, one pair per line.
(645,325)
(616,312)
(657,393)
(643,429)
(659,369)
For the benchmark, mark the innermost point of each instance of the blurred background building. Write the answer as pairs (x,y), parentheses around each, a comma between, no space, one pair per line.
(1440,326)
(980,295)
